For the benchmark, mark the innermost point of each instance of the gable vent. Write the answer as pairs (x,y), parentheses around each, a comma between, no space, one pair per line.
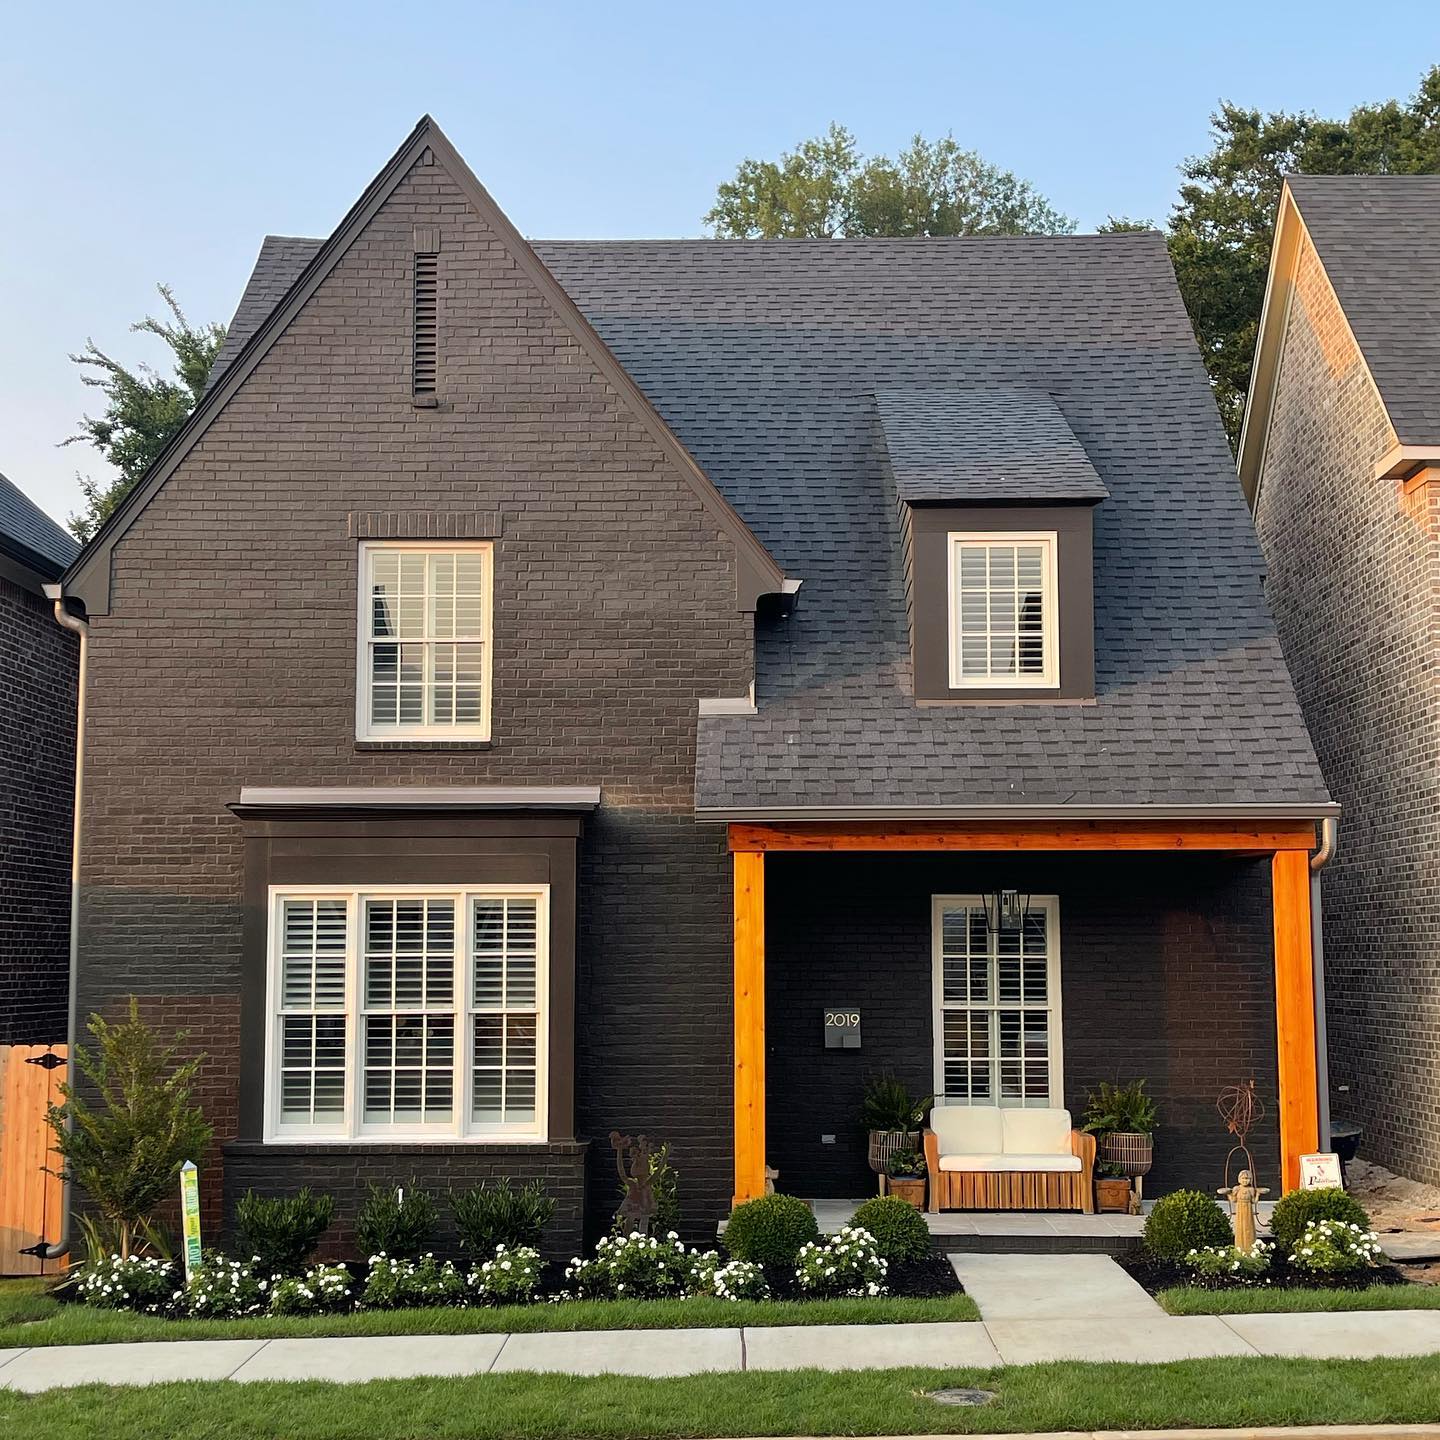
(426,348)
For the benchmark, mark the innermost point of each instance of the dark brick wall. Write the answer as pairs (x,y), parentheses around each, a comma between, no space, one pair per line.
(1166,971)
(38,661)
(228,659)
(1353,578)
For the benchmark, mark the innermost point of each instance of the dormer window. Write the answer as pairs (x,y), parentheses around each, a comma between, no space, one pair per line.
(1002,591)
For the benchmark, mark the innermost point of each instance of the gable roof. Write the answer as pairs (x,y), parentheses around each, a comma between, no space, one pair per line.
(29,537)
(280,263)
(89,577)
(962,443)
(766,358)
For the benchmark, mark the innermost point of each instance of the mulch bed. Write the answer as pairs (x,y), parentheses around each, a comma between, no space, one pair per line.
(931,1278)
(1157,1275)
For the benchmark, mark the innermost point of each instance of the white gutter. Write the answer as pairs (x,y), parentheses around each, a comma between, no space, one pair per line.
(73,623)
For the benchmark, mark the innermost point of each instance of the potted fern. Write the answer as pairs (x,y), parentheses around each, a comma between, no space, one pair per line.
(1122,1119)
(892,1118)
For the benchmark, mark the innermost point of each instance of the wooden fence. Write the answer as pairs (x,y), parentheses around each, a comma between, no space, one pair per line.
(29,1194)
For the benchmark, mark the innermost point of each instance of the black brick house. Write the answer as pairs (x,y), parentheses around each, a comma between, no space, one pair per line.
(37,775)
(536,664)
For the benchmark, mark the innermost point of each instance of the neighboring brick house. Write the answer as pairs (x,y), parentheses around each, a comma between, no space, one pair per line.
(1341,462)
(503,607)
(37,775)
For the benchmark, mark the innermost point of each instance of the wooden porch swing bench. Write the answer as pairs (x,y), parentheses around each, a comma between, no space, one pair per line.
(983,1158)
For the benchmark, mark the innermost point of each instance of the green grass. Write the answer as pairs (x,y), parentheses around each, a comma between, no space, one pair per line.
(28,1316)
(1232,1392)
(1187,1300)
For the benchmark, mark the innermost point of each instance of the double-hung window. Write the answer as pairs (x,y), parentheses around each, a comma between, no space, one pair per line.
(997,1005)
(424,653)
(1003,631)
(407,1013)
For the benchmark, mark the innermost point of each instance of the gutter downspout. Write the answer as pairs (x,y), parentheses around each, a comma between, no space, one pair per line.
(81,628)
(1329,833)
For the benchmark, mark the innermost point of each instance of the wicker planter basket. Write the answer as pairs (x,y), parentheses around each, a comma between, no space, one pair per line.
(884,1144)
(1130,1152)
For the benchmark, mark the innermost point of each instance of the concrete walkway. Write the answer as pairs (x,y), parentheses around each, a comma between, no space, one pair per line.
(657,1353)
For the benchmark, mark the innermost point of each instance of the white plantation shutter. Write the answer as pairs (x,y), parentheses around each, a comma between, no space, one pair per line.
(997,1022)
(1003,610)
(313,1021)
(506,1015)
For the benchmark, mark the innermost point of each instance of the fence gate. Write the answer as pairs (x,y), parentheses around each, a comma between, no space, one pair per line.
(29,1196)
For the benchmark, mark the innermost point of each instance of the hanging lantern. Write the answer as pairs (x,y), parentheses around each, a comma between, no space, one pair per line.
(1005,911)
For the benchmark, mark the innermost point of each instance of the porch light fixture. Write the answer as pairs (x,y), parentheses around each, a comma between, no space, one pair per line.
(1005,910)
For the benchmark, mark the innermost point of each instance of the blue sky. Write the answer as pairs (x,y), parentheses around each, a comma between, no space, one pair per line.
(147,142)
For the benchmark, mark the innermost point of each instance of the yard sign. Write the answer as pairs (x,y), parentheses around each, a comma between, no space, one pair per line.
(1320,1172)
(190,1211)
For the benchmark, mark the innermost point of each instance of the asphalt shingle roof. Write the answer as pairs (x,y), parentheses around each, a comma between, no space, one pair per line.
(765,357)
(28,527)
(277,267)
(1378,237)
(983,442)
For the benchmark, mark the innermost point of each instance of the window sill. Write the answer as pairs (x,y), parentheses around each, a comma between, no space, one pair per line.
(423,744)
(449,1144)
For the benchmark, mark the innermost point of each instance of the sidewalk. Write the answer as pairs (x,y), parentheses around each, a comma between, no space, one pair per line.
(660,1353)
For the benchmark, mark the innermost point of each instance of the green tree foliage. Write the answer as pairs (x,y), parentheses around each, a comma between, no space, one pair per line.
(824,187)
(1221,228)
(124,1148)
(143,409)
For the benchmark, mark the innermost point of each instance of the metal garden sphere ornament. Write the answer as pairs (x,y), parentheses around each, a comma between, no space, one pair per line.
(1242,1110)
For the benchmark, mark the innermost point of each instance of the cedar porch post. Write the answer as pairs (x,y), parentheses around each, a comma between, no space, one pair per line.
(1294,1011)
(749,1024)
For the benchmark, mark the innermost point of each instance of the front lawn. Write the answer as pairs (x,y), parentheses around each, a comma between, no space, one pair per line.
(1191,1300)
(1231,1392)
(30,1316)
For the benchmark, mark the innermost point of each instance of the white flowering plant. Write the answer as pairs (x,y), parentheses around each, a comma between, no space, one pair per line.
(395,1284)
(739,1280)
(1335,1247)
(634,1267)
(116,1282)
(321,1290)
(511,1277)
(220,1288)
(1223,1265)
(849,1263)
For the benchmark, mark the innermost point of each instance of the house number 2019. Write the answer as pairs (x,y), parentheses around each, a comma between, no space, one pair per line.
(841,1019)
(842,1029)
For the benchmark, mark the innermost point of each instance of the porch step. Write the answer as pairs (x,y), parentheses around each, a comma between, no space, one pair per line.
(1113,1245)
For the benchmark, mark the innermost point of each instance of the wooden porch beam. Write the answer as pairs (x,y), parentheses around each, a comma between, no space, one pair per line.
(1294,1012)
(749,1025)
(1235,837)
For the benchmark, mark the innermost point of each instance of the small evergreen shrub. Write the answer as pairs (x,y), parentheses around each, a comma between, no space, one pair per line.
(280,1232)
(1183,1221)
(1335,1247)
(399,1222)
(498,1213)
(1219,1266)
(899,1229)
(225,1289)
(321,1290)
(849,1264)
(634,1267)
(1300,1208)
(739,1280)
(400,1283)
(770,1230)
(509,1277)
(115,1283)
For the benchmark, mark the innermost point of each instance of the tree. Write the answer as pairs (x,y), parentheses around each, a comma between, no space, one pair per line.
(825,187)
(1221,228)
(125,1149)
(143,409)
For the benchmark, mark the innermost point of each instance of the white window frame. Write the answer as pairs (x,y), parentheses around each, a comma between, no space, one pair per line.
(1049,677)
(352,1128)
(365,728)
(1051,905)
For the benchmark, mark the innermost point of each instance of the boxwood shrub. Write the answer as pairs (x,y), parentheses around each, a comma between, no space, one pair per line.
(1293,1212)
(1183,1221)
(899,1229)
(770,1230)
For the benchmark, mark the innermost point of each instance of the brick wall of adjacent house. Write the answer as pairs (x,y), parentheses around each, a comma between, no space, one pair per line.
(1354,581)
(37,778)
(228,659)
(1166,973)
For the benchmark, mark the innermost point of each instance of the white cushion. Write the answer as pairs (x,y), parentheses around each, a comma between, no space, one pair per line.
(1036,1132)
(1050,1164)
(968,1129)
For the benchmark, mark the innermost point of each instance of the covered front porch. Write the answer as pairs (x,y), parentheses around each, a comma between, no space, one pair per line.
(1180,952)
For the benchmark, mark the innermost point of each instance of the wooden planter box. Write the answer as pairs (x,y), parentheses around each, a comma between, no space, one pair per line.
(911,1191)
(1112,1195)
